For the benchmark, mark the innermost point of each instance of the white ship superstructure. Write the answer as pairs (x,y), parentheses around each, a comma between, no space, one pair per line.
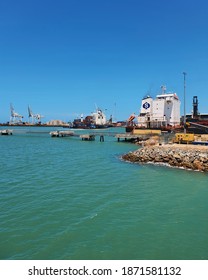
(99,118)
(162,111)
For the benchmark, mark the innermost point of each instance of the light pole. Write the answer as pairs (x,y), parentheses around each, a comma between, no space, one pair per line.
(184,100)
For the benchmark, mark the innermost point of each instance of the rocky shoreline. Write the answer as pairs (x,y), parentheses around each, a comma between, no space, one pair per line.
(182,156)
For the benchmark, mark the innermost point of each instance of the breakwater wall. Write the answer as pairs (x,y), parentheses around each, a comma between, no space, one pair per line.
(183,156)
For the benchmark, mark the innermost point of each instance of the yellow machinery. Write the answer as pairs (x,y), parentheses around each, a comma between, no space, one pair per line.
(184,138)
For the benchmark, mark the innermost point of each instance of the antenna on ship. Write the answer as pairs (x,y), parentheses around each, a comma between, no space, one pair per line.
(96,107)
(163,88)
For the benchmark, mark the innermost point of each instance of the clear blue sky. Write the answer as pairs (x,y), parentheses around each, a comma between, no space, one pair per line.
(63,57)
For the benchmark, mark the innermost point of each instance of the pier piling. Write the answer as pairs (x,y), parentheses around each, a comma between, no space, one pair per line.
(101,138)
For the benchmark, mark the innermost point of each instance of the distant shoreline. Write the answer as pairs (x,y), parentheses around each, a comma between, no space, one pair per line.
(33,125)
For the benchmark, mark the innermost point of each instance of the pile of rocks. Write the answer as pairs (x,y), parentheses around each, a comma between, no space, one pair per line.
(185,156)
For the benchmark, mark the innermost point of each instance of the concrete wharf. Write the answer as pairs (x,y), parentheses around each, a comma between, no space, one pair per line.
(88,137)
(92,136)
(61,133)
(6,132)
(85,136)
(131,137)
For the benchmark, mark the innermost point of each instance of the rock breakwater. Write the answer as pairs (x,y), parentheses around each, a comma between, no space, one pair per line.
(183,156)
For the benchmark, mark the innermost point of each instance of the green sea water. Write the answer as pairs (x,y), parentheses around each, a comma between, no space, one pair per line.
(63,198)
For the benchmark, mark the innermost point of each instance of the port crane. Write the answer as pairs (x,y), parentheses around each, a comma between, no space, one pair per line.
(15,117)
(38,117)
(130,119)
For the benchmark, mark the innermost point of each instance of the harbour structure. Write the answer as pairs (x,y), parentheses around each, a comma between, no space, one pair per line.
(195,115)
(196,122)
(163,111)
(62,133)
(87,137)
(34,118)
(6,132)
(57,123)
(15,117)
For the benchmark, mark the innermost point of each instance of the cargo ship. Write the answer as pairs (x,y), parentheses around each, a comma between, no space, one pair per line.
(94,121)
(159,114)
(163,114)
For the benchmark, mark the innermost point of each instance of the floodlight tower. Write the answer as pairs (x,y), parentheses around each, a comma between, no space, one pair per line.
(184,100)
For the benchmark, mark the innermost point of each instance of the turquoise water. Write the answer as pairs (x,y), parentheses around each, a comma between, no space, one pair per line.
(63,198)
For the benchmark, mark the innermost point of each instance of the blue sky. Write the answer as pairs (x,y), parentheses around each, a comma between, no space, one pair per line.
(63,57)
